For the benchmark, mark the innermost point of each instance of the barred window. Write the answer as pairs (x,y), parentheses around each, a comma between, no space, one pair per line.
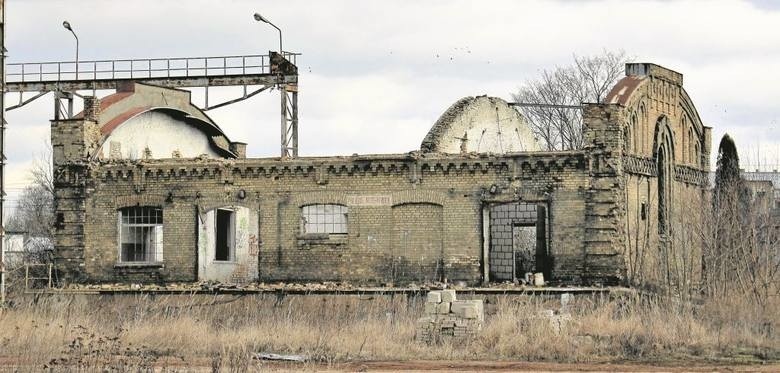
(324,219)
(140,234)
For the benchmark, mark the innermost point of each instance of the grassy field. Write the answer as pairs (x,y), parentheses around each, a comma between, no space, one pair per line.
(223,332)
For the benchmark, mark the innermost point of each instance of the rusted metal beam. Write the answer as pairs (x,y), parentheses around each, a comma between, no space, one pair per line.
(176,82)
(27,101)
(246,96)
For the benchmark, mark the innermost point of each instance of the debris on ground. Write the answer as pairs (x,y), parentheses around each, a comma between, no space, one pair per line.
(277,357)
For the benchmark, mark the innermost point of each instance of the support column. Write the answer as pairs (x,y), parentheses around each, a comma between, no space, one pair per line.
(2,152)
(294,122)
(63,110)
(283,129)
(605,209)
(289,121)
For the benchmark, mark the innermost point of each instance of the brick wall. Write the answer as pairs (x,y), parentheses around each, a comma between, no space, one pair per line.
(438,199)
(411,217)
(676,258)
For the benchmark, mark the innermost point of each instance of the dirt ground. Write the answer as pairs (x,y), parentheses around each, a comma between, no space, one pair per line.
(519,366)
(204,365)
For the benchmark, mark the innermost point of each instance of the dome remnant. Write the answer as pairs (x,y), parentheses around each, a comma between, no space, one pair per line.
(480,124)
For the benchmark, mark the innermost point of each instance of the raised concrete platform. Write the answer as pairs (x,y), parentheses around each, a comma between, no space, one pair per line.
(322,289)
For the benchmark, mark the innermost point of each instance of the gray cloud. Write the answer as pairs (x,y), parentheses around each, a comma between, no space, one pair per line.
(376,83)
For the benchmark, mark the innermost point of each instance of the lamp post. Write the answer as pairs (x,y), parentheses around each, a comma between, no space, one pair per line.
(260,18)
(66,24)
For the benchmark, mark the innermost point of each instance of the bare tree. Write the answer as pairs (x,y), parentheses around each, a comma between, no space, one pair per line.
(589,79)
(34,212)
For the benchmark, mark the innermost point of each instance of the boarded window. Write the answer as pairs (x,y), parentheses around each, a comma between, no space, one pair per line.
(324,219)
(141,234)
(226,233)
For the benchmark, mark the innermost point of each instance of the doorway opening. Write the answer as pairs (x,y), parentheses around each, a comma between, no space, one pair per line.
(225,235)
(516,241)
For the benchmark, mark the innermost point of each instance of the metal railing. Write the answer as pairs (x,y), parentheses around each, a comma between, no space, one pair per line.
(141,68)
(31,281)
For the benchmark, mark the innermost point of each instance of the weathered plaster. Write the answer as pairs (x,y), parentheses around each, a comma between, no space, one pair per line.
(480,124)
(158,133)
(243,266)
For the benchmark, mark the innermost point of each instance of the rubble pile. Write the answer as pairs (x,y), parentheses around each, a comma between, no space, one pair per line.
(447,318)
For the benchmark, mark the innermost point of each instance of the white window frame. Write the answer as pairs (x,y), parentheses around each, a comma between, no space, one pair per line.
(231,235)
(325,218)
(153,254)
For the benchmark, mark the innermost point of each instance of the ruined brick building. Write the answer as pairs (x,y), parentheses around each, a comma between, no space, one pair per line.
(149,189)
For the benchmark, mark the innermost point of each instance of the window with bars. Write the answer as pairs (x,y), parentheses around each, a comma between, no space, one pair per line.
(140,234)
(324,218)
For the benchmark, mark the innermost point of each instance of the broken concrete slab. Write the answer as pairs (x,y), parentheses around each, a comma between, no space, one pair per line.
(469,309)
(448,295)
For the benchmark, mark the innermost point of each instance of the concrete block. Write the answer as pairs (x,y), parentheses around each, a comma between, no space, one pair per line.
(465,309)
(479,306)
(538,279)
(448,295)
(431,308)
(424,323)
(443,308)
(447,324)
(434,297)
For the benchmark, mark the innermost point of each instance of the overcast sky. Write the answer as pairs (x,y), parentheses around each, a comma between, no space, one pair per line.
(371,81)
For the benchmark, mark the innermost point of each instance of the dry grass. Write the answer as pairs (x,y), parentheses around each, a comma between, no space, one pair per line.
(223,331)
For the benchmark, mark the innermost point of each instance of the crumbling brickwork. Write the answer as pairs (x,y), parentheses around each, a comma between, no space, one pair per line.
(448,192)
(653,101)
(416,217)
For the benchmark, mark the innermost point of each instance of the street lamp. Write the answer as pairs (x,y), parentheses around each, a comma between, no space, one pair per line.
(66,24)
(260,18)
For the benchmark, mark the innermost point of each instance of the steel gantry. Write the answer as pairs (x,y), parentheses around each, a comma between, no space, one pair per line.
(66,78)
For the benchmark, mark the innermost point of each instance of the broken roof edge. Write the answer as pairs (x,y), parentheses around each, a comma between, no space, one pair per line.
(431,141)
(315,160)
(654,70)
(210,129)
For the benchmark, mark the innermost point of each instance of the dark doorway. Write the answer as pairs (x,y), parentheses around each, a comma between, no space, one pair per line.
(225,233)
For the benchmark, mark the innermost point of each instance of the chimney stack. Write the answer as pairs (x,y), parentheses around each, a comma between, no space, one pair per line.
(91,108)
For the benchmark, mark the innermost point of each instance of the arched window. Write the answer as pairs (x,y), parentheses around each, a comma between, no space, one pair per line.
(627,138)
(324,218)
(664,154)
(632,132)
(691,159)
(643,133)
(140,234)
